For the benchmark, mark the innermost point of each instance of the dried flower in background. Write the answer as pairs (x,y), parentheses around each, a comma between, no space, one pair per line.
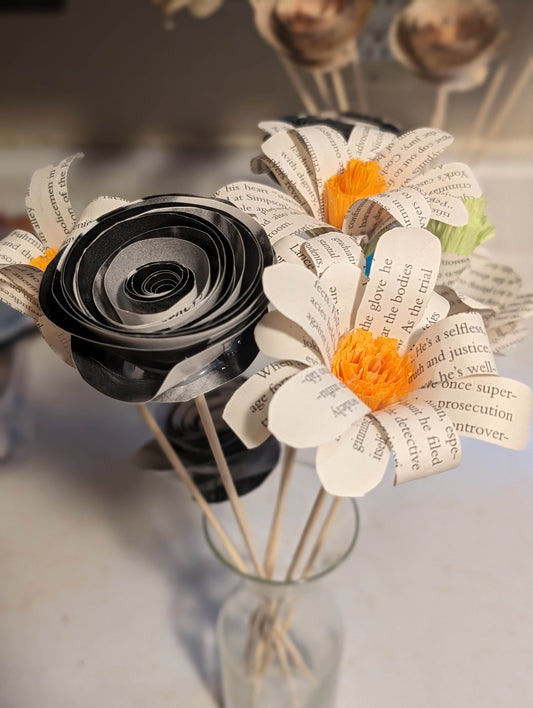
(197,8)
(311,33)
(448,40)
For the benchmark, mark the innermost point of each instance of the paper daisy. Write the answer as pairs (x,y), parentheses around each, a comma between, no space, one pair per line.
(24,256)
(477,283)
(365,370)
(362,186)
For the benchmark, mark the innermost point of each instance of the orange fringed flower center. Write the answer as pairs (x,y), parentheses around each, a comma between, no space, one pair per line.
(372,368)
(360,179)
(42,261)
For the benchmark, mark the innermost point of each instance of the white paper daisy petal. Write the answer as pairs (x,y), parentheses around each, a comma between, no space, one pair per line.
(246,412)
(451,267)
(436,310)
(274,126)
(48,203)
(327,151)
(408,206)
(422,438)
(354,463)
(252,198)
(293,165)
(20,247)
(312,408)
(454,179)
(452,349)
(344,283)
(364,217)
(280,225)
(300,296)
(279,337)
(289,250)
(449,210)
(334,247)
(367,141)
(18,298)
(489,408)
(518,309)
(57,339)
(507,336)
(494,284)
(411,153)
(402,277)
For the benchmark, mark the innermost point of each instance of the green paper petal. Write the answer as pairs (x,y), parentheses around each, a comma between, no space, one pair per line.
(463,240)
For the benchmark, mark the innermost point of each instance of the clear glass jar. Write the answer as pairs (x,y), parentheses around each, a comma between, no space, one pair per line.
(281,642)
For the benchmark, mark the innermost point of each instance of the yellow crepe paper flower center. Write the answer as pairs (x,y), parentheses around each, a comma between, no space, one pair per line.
(42,261)
(360,179)
(372,368)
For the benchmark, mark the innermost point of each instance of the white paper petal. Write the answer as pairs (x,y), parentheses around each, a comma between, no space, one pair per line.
(246,412)
(451,267)
(293,166)
(327,151)
(333,247)
(290,224)
(281,338)
(410,154)
(407,205)
(297,294)
(57,339)
(455,347)
(422,438)
(518,309)
(492,283)
(290,250)
(48,203)
(100,206)
(507,336)
(402,277)
(449,210)
(489,408)
(252,198)
(20,247)
(94,210)
(367,141)
(344,283)
(354,463)
(364,217)
(18,298)
(313,408)
(274,126)
(436,310)
(454,179)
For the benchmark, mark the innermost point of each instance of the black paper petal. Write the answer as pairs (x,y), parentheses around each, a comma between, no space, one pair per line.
(161,297)
(183,427)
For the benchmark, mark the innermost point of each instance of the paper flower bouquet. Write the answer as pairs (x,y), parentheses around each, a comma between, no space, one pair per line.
(379,349)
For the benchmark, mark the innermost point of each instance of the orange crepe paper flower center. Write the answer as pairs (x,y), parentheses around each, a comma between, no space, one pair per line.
(372,368)
(42,261)
(358,180)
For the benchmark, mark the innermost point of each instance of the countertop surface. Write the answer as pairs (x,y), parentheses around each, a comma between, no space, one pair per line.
(109,593)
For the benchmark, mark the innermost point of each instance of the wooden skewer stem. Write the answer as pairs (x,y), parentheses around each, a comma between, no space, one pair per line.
(227,481)
(340,90)
(303,93)
(275,528)
(191,486)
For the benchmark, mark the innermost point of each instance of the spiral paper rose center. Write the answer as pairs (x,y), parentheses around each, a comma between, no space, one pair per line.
(372,368)
(42,261)
(360,179)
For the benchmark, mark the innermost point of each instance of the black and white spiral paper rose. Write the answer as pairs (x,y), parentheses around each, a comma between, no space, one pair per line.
(183,428)
(161,297)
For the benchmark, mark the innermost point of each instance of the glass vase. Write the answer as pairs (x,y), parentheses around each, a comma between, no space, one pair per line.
(280,642)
